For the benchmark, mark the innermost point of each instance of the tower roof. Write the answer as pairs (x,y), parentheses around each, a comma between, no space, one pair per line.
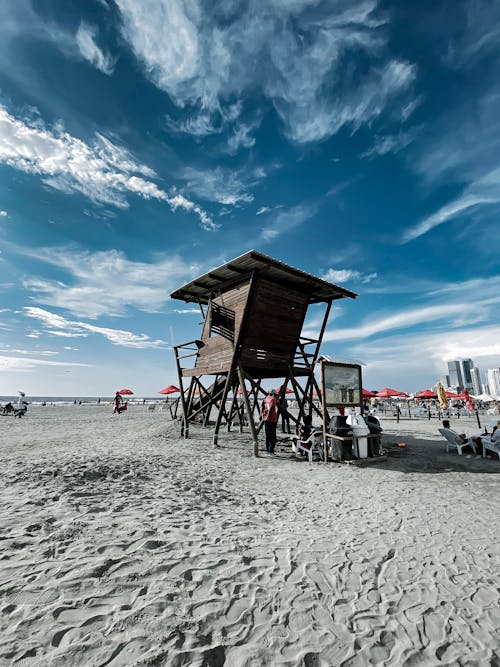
(240,269)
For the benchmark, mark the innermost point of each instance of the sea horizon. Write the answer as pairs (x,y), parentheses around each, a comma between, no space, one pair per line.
(88,400)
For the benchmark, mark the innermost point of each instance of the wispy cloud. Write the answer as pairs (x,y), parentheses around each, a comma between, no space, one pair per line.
(224,186)
(453,307)
(286,220)
(477,37)
(406,360)
(90,51)
(54,322)
(26,364)
(90,290)
(348,275)
(205,59)
(103,171)
(263,209)
(462,146)
(3,214)
(483,191)
(391,143)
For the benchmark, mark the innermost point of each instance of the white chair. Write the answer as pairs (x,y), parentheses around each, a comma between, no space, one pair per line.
(313,444)
(453,441)
(492,443)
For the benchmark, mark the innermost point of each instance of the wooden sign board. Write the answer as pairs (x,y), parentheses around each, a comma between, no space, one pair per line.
(341,384)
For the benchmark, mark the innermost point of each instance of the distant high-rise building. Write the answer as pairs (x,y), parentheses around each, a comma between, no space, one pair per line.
(476,381)
(445,381)
(493,377)
(455,373)
(466,366)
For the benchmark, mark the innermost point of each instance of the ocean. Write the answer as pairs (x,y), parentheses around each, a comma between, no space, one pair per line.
(81,400)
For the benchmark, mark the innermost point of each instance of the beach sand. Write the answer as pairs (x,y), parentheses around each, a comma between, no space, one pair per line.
(122,544)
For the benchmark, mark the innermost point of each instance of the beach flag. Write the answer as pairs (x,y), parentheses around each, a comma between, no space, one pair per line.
(443,398)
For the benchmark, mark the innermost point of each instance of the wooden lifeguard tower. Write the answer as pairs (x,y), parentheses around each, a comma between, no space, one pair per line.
(253,310)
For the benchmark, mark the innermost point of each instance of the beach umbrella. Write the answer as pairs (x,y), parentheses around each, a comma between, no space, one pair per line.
(451,394)
(126,392)
(171,389)
(426,393)
(368,394)
(485,398)
(287,391)
(387,392)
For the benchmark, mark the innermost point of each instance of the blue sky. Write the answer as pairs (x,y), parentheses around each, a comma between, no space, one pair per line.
(144,143)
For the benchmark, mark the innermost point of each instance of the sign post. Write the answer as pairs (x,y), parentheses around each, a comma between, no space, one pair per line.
(341,384)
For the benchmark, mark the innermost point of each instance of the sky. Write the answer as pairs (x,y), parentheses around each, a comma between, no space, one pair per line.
(145,143)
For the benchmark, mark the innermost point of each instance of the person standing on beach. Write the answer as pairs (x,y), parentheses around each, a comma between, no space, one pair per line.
(269,415)
(22,405)
(117,401)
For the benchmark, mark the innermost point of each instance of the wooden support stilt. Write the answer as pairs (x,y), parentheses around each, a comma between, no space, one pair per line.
(218,421)
(251,423)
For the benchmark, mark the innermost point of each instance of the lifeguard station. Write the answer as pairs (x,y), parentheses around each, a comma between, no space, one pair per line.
(253,310)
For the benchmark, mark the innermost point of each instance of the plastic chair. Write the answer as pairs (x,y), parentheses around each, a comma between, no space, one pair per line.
(312,444)
(492,443)
(452,441)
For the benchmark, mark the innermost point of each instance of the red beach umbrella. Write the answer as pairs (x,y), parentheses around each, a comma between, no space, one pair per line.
(368,394)
(171,389)
(451,394)
(426,393)
(126,392)
(390,393)
(287,391)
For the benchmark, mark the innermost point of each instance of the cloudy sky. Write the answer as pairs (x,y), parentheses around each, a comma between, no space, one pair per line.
(144,143)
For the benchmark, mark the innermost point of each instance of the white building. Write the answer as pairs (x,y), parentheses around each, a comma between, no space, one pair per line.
(493,378)
(476,381)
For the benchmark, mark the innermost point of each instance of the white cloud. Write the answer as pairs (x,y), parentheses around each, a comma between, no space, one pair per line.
(91,290)
(391,143)
(412,361)
(263,209)
(103,172)
(85,40)
(3,214)
(115,336)
(346,275)
(286,220)
(485,190)
(300,55)
(241,137)
(24,364)
(224,186)
(453,307)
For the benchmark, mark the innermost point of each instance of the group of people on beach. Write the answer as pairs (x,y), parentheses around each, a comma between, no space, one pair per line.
(463,439)
(20,410)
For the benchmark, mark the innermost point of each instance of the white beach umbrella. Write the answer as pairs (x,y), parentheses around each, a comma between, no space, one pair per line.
(485,398)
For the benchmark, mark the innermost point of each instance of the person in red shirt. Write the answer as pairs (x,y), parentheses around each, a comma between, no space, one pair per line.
(269,415)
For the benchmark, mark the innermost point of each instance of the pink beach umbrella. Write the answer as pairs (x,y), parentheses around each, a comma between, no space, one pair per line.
(126,392)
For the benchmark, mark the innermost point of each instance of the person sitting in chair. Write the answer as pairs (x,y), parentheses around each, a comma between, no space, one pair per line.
(8,408)
(461,438)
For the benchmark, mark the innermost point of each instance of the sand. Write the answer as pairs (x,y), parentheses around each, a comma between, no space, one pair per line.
(122,544)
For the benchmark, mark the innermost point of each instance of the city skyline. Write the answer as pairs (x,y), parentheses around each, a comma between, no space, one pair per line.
(464,374)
